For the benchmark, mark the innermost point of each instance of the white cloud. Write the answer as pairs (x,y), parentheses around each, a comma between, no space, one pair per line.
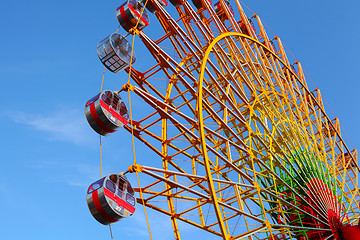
(68,125)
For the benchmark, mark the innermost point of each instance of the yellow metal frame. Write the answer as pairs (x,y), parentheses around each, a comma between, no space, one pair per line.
(282,95)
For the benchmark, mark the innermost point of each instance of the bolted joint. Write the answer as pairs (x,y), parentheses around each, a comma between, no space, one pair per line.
(127,87)
(134,31)
(135,168)
(257,187)
(267,224)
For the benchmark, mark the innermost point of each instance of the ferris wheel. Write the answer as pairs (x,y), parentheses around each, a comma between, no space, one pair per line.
(245,150)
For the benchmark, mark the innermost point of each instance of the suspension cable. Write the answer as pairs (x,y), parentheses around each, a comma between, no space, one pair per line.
(131,122)
(102,81)
(132,132)
(101,165)
(111,232)
(137,174)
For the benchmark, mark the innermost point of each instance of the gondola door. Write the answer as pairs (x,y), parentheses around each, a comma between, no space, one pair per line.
(119,196)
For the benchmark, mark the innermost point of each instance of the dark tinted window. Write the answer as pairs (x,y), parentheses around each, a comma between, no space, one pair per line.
(130,199)
(123,111)
(130,189)
(113,178)
(120,193)
(115,102)
(106,97)
(110,185)
(121,184)
(96,185)
(92,100)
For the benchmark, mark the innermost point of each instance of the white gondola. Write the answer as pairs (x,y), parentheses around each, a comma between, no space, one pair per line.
(111,199)
(129,14)
(115,52)
(106,112)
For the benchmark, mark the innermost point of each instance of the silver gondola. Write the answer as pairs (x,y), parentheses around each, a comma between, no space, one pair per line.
(111,199)
(128,14)
(106,112)
(115,52)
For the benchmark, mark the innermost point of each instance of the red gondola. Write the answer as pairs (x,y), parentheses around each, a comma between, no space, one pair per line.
(151,6)
(220,12)
(273,47)
(244,29)
(177,2)
(128,15)
(115,52)
(111,199)
(199,4)
(106,112)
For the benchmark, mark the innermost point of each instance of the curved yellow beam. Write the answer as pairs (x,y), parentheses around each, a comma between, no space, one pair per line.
(201,122)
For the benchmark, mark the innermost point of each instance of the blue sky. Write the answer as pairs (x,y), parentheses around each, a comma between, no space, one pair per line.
(49,69)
